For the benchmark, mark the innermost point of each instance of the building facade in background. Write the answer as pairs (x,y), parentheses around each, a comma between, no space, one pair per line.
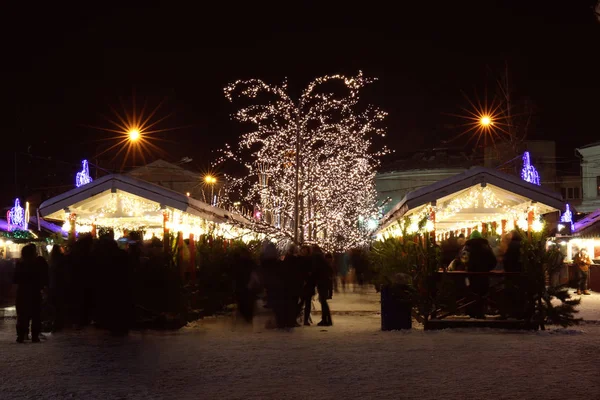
(590,177)
(542,155)
(400,177)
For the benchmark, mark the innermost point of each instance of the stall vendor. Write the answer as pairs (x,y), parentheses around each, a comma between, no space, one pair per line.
(582,262)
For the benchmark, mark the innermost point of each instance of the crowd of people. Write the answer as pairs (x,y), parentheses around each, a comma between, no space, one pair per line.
(88,281)
(476,254)
(93,281)
(287,283)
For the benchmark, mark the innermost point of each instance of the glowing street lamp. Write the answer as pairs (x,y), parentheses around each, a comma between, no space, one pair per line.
(211,180)
(134,135)
(485,121)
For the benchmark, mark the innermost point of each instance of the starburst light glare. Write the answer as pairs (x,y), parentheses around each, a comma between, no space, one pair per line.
(483,122)
(486,120)
(135,130)
(134,135)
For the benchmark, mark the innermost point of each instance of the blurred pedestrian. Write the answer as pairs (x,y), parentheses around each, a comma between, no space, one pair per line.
(322,274)
(310,283)
(331,266)
(244,296)
(31,276)
(583,262)
(479,257)
(57,287)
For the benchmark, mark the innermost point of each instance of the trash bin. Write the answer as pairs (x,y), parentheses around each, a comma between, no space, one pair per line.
(396,308)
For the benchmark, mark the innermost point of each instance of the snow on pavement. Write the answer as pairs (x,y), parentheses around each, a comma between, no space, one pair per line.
(353,359)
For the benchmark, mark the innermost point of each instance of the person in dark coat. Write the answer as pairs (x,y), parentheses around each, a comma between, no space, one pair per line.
(450,248)
(31,276)
(114,287)
(81,291)
(479,258)
(58,285)
(308,291)
(244,296)
(294,283)
(274,282)
(331,264)
(514,298)
(323,274)
(512,256)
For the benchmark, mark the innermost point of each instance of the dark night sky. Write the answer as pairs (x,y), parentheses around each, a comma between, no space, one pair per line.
(68,66)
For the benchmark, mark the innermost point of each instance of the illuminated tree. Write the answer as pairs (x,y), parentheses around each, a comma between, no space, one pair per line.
(322,142)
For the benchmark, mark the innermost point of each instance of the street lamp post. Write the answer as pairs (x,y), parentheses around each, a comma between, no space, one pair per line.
(211,180)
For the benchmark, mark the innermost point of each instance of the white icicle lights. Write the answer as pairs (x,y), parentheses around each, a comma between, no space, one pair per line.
(337,163)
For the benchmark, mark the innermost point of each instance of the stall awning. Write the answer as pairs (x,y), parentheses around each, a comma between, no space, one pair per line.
(589,226)
(89,200)
(479,195)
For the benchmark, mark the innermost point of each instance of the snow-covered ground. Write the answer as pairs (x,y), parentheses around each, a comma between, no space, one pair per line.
(217,359)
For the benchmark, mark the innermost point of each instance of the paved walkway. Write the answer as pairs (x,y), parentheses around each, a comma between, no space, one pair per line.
(365,300)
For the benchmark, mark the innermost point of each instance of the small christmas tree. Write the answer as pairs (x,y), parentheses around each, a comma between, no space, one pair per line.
(551,305)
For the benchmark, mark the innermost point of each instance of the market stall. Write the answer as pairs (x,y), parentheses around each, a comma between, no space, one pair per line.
(585,234)
(480,198)
(125,204)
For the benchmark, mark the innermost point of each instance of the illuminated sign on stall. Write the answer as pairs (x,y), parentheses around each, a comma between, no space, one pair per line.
(529,173)
(18,217)
(83,177)
(567,217)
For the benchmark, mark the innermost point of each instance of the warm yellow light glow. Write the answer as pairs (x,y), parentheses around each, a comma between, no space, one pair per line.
(134,135)
(486,120)
(210,179)
(537,226)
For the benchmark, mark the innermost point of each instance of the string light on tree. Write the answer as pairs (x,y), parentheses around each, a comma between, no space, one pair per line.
(320,144)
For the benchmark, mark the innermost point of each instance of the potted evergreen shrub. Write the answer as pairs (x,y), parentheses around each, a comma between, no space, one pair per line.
(390,264)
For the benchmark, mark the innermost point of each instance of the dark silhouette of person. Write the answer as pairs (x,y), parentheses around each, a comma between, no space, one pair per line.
(450,248)
(480,258)
(294,282)
(274,284)
(322,272)
(514,295)
(359,261)
(582,262)
(113,294)
(244,296)
(512,256)
(57,287)
(310,283)
(331,264)
(31,276)
(81,291)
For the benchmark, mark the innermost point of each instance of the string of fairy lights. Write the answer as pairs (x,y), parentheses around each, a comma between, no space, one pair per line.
(480,198)
(337,164)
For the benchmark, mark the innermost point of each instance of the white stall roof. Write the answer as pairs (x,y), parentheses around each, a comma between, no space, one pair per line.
(88,199)
(509,189)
